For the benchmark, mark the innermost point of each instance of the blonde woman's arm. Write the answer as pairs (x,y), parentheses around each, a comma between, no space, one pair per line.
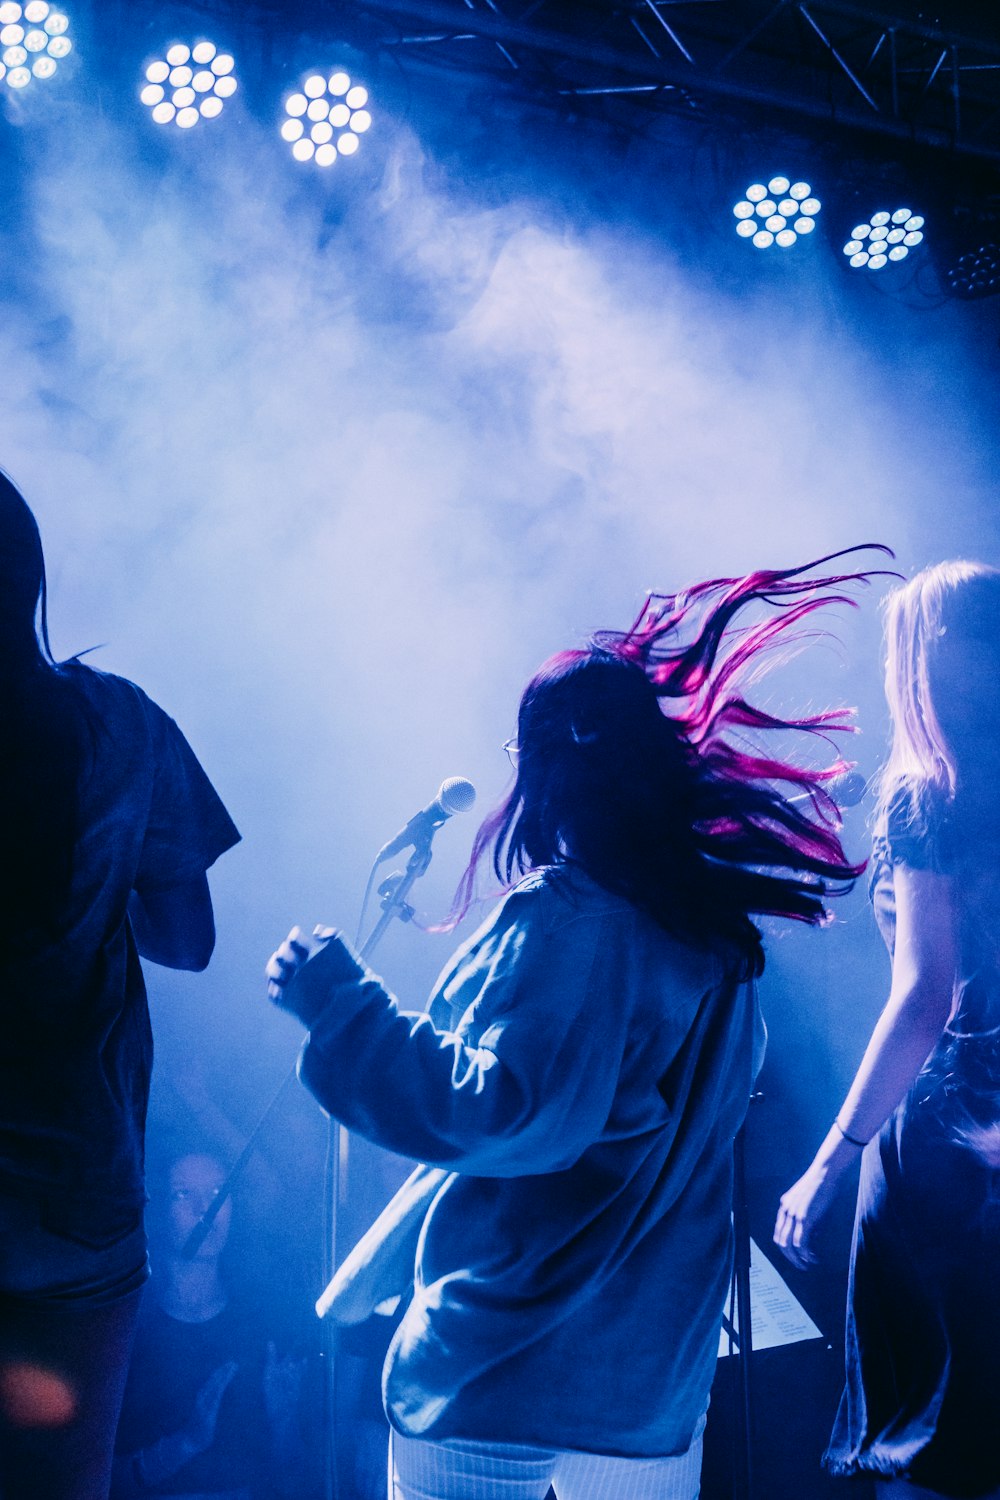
(916,1013)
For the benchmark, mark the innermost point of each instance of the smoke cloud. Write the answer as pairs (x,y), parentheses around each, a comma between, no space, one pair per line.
(329,476)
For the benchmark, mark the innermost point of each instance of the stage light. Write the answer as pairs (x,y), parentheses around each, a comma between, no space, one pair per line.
(884,239)
(189,84)
(975,272)
(779,213)
(33,41)
(326,118)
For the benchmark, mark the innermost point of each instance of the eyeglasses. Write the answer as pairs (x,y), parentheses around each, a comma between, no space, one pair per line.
(512,750)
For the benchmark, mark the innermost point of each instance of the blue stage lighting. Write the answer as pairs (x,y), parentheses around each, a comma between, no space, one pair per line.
(33,41)
(778,214)
(884,238)
(189,84)
(975,271)
(326,118)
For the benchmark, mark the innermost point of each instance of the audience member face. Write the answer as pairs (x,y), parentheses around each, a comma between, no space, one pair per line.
(193,1185)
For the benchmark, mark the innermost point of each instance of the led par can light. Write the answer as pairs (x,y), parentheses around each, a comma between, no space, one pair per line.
(34,39)
(326,118)
(188,84)
(779,212)
(884,238)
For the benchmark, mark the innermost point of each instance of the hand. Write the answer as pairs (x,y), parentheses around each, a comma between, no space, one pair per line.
(200,1429)
(294,953)
(161,1460)
(801,1209)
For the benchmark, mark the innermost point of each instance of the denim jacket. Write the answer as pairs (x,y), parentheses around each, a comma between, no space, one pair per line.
(572,1093)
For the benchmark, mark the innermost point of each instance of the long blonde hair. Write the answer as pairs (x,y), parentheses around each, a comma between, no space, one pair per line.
(945,598)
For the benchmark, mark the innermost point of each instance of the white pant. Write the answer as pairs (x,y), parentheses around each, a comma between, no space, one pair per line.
(502,1471)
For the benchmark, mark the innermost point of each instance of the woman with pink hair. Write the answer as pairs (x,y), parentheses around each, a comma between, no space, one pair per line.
(563,1252)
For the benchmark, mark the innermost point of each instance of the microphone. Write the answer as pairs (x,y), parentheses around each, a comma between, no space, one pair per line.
(847,790)
(850,789)
(455,795)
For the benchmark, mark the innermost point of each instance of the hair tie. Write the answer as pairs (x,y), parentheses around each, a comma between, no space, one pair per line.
(851,1139)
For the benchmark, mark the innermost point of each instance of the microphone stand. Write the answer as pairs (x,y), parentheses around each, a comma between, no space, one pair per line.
(200,1232)
(394,891)
(743,1488)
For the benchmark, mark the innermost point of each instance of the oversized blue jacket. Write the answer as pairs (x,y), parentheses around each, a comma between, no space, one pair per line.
(573,1092)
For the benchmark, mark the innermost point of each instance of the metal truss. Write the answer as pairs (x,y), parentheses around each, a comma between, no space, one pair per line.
(819,64)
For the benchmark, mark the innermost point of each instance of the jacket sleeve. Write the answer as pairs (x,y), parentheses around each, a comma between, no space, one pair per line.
(529,1096)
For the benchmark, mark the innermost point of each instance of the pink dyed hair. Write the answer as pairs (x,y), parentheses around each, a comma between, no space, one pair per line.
(730,841)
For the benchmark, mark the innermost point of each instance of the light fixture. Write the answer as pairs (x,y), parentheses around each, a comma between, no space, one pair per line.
(884,239)
(779,213)
(975,272)
(33,41)
(326,118)
(189,84)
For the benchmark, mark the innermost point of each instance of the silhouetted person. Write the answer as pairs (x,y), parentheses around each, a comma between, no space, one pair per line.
(109,825)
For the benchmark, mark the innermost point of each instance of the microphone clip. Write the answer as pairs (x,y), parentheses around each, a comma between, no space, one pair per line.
(389,891)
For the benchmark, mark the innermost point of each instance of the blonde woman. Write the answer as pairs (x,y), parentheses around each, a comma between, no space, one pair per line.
(923,1328)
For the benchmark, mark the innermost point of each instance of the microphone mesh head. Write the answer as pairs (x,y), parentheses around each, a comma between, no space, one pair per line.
(456,794)
(850,789)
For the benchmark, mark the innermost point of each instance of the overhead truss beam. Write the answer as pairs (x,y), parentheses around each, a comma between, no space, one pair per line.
(820,61)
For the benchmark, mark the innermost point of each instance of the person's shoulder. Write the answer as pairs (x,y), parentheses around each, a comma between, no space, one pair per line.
(546,906)
(903,802)
(557,898)
(913,820)
(123,710)
(110,701)
(563,911)
(101,687)
(631,949)
(557,895)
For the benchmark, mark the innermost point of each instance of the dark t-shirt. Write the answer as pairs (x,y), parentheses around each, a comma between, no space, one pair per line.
(910,832)
(960,839)
(924,1318)
(171,1362)
(77,1048)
